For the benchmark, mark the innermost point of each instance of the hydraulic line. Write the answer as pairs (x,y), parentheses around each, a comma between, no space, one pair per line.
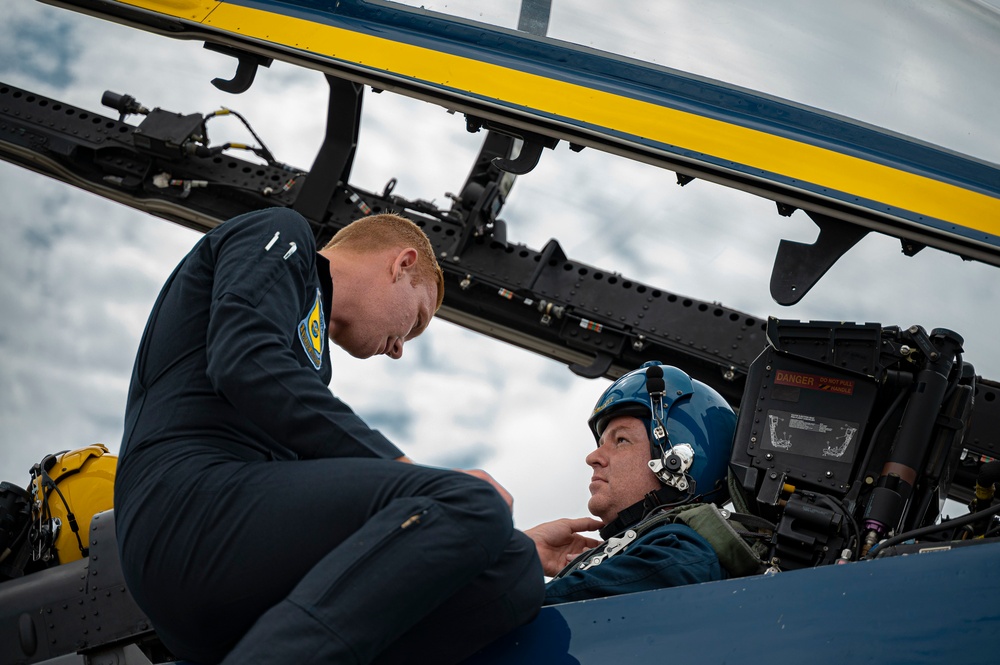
(933,528)
(890,498)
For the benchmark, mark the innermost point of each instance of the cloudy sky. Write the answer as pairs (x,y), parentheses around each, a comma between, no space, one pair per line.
(78,274)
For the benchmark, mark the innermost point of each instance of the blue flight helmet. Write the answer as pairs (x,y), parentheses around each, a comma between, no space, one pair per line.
(690,427)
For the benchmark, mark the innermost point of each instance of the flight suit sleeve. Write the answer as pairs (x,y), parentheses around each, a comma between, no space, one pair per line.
(669,555)
(257,304)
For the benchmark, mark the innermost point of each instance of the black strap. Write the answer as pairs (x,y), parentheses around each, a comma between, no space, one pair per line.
(664,496)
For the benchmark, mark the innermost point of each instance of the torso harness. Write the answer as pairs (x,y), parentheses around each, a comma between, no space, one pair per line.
(739,550)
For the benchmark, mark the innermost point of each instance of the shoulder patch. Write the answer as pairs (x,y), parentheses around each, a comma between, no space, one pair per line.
(312,332)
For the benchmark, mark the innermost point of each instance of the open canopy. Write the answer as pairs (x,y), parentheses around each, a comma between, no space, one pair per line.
(617,98)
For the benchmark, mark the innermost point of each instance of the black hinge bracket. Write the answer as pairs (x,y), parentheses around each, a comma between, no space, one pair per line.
(799,266)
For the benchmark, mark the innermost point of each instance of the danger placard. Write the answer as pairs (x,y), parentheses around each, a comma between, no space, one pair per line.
(830,384)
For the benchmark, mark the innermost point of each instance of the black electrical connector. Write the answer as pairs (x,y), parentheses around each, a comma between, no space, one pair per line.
(124,104)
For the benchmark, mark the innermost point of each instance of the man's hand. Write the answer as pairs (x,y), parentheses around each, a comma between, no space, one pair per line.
(559,542)
(482,475)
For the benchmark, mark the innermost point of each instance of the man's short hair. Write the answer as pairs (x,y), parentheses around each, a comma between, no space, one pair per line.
(384,231)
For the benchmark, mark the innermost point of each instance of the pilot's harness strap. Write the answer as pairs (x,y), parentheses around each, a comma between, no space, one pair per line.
(736,554)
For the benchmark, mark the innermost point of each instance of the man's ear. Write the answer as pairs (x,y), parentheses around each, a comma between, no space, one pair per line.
(404,263)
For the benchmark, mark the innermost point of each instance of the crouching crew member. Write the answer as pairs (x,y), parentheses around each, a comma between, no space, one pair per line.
(259,519)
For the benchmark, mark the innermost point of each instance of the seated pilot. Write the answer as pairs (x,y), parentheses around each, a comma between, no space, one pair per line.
(663,446)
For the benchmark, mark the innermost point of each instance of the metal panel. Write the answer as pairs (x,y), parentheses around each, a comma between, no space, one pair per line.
(82,606)
(925,608)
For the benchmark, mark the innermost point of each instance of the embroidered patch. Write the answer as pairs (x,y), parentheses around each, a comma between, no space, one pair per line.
(312,332)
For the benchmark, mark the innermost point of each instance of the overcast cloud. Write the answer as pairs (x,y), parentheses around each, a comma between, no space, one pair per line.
(78,274)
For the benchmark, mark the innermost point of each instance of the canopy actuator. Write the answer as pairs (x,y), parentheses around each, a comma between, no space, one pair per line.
(333,163)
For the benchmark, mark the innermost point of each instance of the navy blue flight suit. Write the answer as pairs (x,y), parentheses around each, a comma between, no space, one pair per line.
(665,556)
(259,519)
